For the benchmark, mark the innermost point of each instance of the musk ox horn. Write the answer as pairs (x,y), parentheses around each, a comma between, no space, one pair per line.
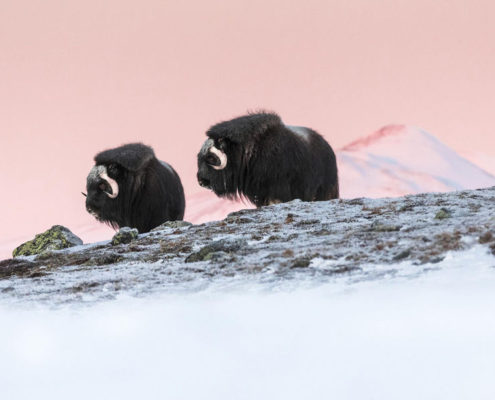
(113,184)
(222,157)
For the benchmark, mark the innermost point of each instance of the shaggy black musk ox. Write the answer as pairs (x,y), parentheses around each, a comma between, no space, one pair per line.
(258,157)
(129,186)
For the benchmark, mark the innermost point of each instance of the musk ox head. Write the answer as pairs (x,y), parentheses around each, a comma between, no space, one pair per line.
(224,160)
(259,158)
(212,166)
(128,186)
(102,192)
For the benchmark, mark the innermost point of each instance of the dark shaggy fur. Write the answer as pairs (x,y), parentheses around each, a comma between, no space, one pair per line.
(150,191)
(268,162)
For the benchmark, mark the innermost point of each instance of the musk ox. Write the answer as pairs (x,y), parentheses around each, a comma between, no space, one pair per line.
(129,186)
(259,158)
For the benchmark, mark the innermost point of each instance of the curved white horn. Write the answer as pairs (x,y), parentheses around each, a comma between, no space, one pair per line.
(221,155)
(113,184)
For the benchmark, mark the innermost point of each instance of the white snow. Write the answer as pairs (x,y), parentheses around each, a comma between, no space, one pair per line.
(483,160)
(399,160)
(430,337)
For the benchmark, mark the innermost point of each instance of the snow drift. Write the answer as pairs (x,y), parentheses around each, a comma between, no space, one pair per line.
(431,338)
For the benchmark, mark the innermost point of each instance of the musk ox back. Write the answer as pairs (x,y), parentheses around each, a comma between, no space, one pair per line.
(258,157)
(129,186)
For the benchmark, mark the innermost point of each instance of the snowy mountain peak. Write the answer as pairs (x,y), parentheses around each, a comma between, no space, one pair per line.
(366,141)
(396,134)
(399,159)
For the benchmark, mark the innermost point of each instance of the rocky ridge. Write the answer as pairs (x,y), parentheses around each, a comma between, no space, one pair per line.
(279,246)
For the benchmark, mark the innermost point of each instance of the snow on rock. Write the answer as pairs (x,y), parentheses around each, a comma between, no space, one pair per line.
(281,246)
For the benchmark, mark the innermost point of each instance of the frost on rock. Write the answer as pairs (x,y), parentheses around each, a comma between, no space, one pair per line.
(56,238)
(216,249)
(172,224)
(274,247)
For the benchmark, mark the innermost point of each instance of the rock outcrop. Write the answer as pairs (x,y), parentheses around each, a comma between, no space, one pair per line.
(291,243)
(56,238)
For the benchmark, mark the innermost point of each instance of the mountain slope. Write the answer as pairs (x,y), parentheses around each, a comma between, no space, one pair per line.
(399,160)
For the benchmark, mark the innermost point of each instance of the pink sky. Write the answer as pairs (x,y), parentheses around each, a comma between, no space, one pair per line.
(77,77)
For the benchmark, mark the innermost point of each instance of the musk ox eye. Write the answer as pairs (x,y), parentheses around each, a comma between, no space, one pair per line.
(113,169)
(220,143)
(212,159)
(102,186)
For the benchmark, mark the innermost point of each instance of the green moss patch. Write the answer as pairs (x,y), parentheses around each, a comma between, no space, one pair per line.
(56,238)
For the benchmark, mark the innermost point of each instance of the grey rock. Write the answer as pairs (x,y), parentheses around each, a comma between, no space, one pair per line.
(443,214)
(173,225)
(58,237)
(125,235)
(225,246)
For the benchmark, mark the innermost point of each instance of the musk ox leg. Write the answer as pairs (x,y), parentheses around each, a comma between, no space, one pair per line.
(325,193)
(334,193)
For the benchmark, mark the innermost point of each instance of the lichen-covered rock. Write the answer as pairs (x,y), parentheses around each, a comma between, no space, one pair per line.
(58,237)
(172,224)
(124,235)
(210,252)
(380,227)
(443,214)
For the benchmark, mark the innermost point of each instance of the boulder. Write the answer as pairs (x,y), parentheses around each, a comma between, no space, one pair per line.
(58,237)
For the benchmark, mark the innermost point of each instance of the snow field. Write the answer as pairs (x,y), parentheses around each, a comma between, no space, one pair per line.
(431,337)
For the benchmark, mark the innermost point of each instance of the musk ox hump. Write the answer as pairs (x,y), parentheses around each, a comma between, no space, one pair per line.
(168,166)
(132,157)
(300,131)
(243,129)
